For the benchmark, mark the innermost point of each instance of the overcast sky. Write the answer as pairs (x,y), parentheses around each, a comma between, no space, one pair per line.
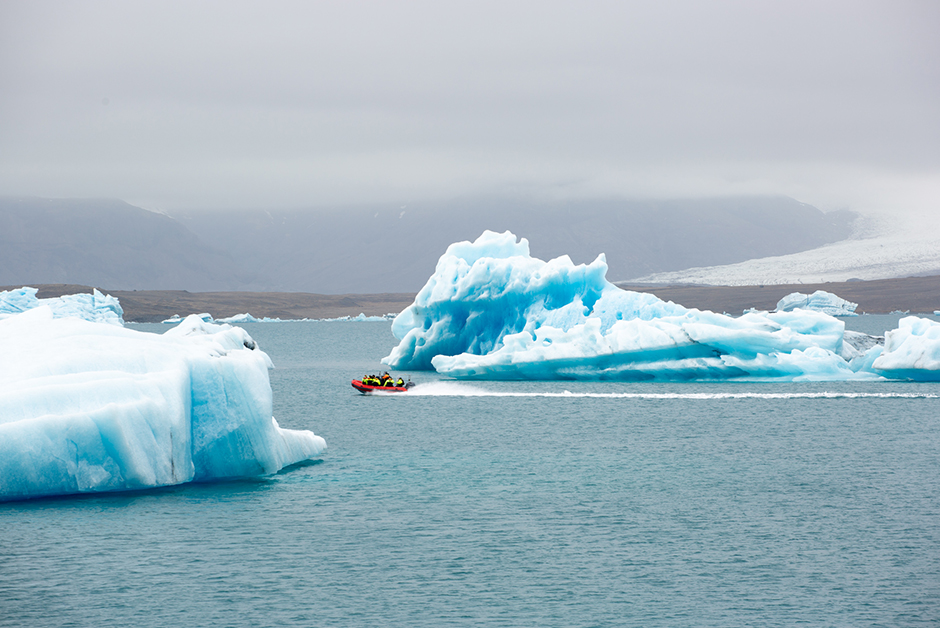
(275,104)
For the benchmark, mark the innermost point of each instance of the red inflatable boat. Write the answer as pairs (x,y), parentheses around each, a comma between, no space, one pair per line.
(366,389)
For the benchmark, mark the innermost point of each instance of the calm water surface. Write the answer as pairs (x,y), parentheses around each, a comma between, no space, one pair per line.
(513,504)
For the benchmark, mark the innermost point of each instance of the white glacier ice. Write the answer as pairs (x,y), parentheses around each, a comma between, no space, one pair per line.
(361,318)
(91,307)
(491,311)
(238,318)
(819,301)
(911,351)
(88,407)
(888,244)
(205,317)
(248,318)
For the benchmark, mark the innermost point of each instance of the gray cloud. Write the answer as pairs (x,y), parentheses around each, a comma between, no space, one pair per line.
(296,103)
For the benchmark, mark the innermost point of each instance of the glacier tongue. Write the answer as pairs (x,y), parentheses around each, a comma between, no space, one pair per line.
(90,407)
(491,311)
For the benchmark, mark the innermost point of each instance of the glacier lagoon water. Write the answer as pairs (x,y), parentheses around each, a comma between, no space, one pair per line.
(517,503)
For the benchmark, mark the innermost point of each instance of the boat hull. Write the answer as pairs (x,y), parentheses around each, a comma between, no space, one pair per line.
(366,389)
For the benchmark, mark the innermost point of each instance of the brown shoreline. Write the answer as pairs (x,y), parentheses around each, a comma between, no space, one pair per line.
(913,294)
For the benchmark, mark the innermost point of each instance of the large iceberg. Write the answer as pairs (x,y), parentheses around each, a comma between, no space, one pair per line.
(491,311)
(88,407)
(819,301)
(91,307)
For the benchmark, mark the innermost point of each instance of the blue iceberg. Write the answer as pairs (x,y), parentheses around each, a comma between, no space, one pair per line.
(87,407)
(90,307)
(492,311)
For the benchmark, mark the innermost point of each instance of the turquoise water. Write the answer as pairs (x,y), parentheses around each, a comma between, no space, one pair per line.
(516,504)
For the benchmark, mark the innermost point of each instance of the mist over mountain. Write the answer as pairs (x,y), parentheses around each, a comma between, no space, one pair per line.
(395,248)
(383,248)
(107,243)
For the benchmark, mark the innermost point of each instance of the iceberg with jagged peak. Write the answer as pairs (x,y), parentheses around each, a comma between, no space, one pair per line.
(88,407)
(492,311)
(91,307)
(819,301)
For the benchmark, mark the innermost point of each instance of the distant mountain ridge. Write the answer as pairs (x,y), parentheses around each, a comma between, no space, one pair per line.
(105,242)
(381,248)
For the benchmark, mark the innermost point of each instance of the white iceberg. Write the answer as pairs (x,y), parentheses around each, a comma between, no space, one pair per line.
(91,307)
(491,311)
(238,318)
(819,301)
(361,318)
(87,407)
(912,351)
(248,318)
(205,317)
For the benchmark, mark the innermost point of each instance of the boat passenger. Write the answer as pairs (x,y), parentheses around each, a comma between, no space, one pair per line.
(400,383)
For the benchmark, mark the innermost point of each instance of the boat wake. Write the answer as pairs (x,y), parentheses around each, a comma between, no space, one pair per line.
(452,389)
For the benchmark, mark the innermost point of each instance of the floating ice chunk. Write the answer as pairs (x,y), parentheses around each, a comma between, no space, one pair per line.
(91,307)
(361,318)
(911,351)
(87,407)
(248,318)
(239,318)
(819,301)
(176,318)
(491,311)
